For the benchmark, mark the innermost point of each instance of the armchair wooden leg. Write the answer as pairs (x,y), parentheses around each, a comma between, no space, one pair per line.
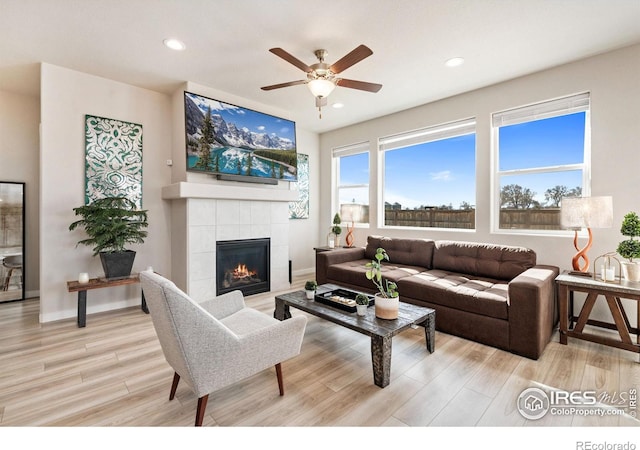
(279,375)
(202,405)
(174,385)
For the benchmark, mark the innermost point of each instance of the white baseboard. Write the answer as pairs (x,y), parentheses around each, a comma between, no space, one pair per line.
(301,272)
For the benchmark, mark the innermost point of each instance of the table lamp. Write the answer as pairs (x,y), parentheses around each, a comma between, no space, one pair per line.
(585,212)
(351,212)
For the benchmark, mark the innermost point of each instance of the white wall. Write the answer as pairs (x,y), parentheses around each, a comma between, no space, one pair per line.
(611,78)
(304,232)
(19,140)
(66,96)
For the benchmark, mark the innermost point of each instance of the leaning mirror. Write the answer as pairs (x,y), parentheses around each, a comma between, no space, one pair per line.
(11,241)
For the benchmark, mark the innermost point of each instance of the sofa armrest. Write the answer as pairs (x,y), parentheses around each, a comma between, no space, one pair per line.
(325,259)
(532,310)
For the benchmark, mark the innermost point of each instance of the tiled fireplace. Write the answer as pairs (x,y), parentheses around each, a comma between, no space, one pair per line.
(209,214)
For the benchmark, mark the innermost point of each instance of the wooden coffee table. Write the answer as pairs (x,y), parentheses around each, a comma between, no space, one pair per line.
(381,331)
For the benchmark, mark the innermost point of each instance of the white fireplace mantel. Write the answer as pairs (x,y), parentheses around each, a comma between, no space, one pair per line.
(204,214)
(184,190)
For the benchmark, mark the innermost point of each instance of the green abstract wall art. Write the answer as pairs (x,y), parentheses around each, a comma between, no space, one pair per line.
(300,209)
(113,159)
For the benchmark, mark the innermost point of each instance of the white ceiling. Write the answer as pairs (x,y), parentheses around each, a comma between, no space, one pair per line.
(228,41)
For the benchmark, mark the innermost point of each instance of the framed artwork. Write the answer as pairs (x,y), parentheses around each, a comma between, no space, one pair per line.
(300,208)
(113,159)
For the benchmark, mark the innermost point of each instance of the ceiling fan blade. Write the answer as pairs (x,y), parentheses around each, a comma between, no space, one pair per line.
(290,59)
(356,55)
(281,85)
(362,85)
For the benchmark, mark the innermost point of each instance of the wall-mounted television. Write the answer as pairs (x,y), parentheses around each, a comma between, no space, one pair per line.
(237,143)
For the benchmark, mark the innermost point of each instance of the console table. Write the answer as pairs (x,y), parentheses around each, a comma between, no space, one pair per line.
(99,283)
(612,292)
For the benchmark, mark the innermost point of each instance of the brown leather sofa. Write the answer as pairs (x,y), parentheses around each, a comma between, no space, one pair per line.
(492,294)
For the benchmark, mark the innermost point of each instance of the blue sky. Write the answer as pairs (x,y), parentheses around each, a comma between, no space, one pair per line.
(443,172)
(543,143)
(247,118)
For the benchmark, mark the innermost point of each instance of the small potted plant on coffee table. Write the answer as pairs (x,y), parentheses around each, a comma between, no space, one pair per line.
(310,288)
(387,301)
(362,303)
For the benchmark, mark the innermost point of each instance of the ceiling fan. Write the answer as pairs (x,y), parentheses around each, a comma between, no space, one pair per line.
(321,77)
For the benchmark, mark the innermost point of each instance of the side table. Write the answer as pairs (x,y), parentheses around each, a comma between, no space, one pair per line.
(99,283)
(612,292)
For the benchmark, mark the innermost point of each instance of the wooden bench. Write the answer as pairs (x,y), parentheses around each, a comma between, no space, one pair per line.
(99,283)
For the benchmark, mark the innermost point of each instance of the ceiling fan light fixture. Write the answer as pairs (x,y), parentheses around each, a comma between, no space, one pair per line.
(321,87)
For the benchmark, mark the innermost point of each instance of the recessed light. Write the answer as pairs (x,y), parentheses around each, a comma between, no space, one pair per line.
(174,44)
(338,105)
(454,62)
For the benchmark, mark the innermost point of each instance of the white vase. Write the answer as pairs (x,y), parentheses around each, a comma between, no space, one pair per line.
(386,308)
(310,294)
(631,271)
(361,310)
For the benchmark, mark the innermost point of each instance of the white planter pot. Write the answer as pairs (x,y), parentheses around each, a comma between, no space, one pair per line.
(387,308)
(361,310)
(631,271)
(310,294)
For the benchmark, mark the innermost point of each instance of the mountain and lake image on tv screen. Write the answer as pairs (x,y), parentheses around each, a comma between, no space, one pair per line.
(226,139)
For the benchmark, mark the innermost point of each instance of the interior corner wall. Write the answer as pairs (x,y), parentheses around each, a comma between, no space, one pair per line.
(19,128)
(303,232)
(66,97)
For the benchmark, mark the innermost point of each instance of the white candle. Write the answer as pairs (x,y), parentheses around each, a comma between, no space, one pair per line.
(331,243)
(611,274)
(83,277)
(149,269)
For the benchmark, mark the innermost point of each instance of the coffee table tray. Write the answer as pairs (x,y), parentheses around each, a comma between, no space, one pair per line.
(341,298)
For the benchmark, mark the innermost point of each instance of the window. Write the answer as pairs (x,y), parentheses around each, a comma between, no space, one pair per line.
(429,177)
(351,169)
(542,153)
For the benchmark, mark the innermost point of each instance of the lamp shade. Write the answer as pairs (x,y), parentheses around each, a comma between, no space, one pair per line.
(321,87)
(586,212)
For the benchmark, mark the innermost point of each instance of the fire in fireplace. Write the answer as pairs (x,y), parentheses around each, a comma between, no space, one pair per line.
(243,265)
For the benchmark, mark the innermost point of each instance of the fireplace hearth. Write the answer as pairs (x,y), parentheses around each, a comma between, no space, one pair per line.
(243,265)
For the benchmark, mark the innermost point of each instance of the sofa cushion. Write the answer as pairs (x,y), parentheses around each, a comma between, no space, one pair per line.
(501,262)
(478,295)
(353,272)
(414,252)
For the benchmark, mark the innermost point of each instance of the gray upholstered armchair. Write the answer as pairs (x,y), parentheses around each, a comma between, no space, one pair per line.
(217,342)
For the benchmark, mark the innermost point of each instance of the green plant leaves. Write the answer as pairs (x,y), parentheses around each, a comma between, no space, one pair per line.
(111,223)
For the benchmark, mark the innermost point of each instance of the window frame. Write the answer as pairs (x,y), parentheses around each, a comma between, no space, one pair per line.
(336,154)
(561,106)
(432,133)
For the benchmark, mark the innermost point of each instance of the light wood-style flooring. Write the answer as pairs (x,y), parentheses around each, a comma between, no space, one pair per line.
(113,373)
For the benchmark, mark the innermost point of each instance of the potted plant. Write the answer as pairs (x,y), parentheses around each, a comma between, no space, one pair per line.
(362,303)
(111,223)
(336,229)
(387,299)
(630,248)
(310,288)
